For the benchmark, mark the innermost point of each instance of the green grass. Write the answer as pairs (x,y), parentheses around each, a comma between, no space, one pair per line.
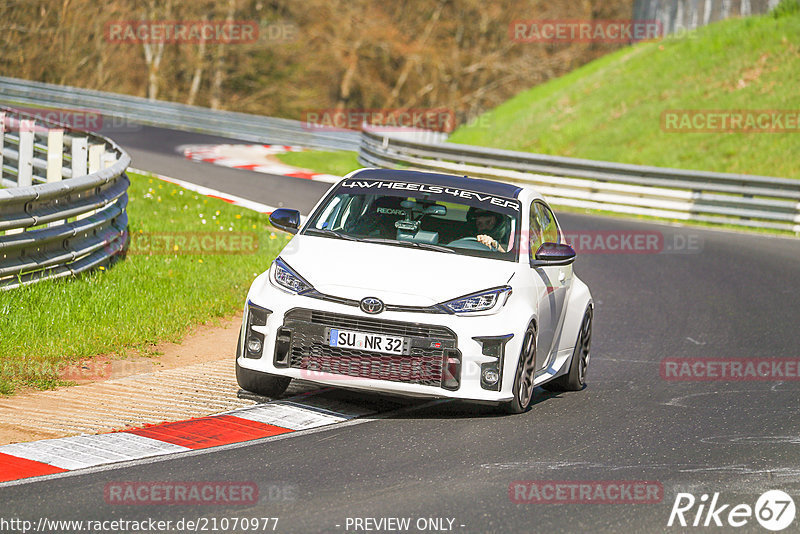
(141,300)
(337,163)
(611,108)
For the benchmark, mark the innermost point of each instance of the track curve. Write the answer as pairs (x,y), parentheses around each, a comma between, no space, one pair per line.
(732,296)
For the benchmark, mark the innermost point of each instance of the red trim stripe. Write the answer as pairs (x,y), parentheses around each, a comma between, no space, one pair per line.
(229,201)
(306,175)
(211,431)
(13,468)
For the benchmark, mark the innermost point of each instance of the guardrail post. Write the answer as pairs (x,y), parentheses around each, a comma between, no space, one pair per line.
(108,159)
(55,160)
(55,154)
(797,221)
(2,140)
(79,156)
(95,164)
(95,153)
(25,163)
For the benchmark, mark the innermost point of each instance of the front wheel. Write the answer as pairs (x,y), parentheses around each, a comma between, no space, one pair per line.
(523,379)
(575,380)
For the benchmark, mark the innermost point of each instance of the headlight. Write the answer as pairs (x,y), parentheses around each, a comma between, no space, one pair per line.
(483,301)
(283,276)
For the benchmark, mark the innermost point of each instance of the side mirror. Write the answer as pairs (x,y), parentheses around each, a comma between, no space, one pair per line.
(553,254)
(285,219)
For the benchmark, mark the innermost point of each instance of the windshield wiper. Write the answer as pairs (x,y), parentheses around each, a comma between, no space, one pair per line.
(332,233)
(426,246)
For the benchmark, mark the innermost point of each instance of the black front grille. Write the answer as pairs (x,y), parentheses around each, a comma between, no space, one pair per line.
(366,324)
(429,348)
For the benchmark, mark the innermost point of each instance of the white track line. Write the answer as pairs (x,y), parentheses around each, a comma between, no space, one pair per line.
(207,191)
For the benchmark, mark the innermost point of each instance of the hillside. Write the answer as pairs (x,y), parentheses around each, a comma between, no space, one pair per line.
(305,56)
(611,109)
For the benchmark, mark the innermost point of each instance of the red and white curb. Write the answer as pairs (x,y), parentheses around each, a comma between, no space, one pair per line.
(256,158)
(211,193)
(52,456)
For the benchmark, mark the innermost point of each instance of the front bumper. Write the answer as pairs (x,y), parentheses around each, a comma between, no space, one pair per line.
(442,357)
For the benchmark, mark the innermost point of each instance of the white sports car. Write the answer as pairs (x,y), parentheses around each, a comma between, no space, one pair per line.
(420,284)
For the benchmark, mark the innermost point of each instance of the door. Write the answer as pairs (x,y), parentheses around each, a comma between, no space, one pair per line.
(552,283)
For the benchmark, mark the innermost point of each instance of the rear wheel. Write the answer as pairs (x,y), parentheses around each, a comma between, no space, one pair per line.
(523,379)
(575,380)
(260,383)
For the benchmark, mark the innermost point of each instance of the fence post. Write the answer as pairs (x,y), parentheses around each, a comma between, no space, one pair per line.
(95,164)
(55,160)
(2,140)
(79,156)
(95,153)
(25,163)
(108,159)
(744,9)
(55,154)
(797,221)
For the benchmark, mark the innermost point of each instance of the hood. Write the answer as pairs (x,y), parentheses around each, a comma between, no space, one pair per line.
(396,275)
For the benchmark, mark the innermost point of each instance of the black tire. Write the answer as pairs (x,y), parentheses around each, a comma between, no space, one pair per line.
(575,380)
(523,378)
(260,383)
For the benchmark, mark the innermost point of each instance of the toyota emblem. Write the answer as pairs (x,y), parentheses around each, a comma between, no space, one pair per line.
(371,305)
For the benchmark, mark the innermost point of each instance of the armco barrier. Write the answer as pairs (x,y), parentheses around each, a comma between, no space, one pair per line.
(58,220)
(139,110)
(735,199)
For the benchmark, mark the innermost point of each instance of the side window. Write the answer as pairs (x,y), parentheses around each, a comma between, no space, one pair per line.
(327,217)
(547,222)
(535,230)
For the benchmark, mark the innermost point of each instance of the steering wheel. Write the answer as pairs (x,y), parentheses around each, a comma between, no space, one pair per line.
(471,243)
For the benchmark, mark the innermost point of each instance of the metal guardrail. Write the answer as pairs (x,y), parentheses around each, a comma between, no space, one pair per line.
(58,220)
(735,199)
(255,128)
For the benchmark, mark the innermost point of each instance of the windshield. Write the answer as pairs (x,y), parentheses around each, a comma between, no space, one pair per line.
(420,216)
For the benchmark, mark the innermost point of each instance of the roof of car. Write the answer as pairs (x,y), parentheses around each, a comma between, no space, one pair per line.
(478,185)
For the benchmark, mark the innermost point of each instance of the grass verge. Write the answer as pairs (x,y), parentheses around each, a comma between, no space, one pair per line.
(148,297)
(611,109)
(337,163)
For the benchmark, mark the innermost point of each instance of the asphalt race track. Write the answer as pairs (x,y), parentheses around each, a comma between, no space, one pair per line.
(730,296)
(155,150)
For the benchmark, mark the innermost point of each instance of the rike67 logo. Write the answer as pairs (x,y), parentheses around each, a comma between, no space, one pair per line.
(774,510)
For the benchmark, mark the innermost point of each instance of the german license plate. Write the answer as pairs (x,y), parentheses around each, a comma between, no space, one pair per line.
(360,340)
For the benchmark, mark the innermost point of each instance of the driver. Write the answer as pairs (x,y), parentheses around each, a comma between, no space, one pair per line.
(487,224)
